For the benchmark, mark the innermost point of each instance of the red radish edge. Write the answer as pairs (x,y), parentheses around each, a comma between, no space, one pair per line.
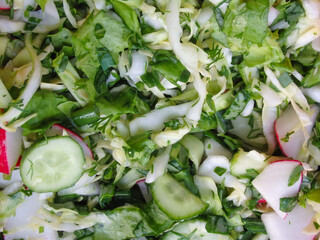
(3,164)
(141,180)
(262,200)
(278,139)
(19,161)
(4,8)
(87,151)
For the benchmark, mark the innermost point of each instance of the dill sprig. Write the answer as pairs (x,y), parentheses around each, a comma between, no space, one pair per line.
(215,54)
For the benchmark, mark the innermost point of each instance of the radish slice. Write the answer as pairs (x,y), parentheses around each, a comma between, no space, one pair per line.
(145,191)
(18,226)
(58,130)
(292,227)
(272,183)
(10,149)
(290,133)
(4,5)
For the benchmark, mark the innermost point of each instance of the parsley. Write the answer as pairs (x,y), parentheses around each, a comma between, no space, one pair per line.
(287,204)
(295,175)
(173,124)
(41,229)
(286,138)
(220,171)
(285,79)
(215,54)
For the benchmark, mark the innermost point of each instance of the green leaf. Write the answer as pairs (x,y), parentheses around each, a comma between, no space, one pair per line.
(285,79)
(314,195)
(98,31)
(254,225)
(217,224)
(289,11)
(287,204)
(237,106)
(105,59)
(169,66)
(206,122)
(122,102)
(307,56)
(313,77)
(128,15)
(220,171)
(9,204)
(125,222)
(61,38)
(44,104)
(42,3)
(83,90)
(174,124)
(151,79)
(249,20)
(295,175)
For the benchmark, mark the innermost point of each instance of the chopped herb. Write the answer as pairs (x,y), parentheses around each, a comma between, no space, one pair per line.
(295,175)
(220,171)
(287,204)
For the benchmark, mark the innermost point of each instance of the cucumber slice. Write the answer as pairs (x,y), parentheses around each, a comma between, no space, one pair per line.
(52,164)
(242,161)
(175,200)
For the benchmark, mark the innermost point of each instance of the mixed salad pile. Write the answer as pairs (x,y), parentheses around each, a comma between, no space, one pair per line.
(159,119)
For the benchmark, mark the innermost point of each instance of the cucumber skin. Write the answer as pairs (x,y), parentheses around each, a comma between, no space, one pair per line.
(36,145)
(168,213)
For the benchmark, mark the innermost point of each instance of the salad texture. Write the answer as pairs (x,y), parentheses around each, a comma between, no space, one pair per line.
(159,119)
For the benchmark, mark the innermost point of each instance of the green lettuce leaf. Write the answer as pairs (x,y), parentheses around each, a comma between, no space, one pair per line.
(44,103)
(125,222)
(247,20)
(98,31)
(128,15)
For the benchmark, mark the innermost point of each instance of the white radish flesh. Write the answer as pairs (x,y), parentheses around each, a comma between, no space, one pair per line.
(4,5)
(272,183)
(207,168)
(290,133)
(292,227)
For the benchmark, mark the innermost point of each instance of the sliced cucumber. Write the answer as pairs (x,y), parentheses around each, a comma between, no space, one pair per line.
(175,200)
(242,161)
(52,164)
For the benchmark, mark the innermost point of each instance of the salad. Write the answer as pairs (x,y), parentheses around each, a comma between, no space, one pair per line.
(159,119)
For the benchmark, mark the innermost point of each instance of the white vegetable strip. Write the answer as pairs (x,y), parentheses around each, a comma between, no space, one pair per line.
(188,56)
(168,137)
(272,15)
(248,109)
(195,148)
(269,116)
(154,120)
(138,67)
(159,165)
(312,92)
(31,88)
(69,15)
(10,26)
